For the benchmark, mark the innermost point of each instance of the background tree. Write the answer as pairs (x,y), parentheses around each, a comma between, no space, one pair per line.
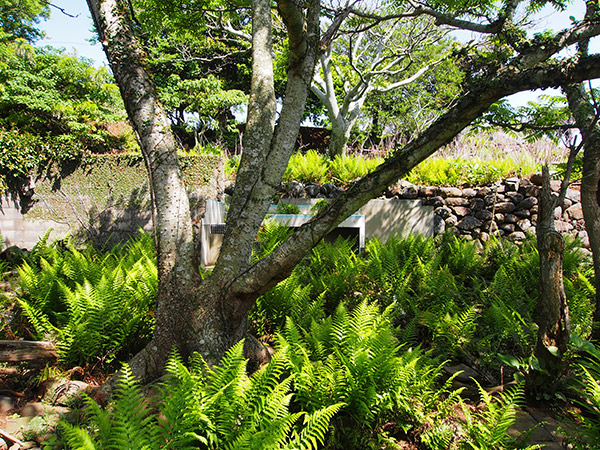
(209,315)
(19,19)
(369,57)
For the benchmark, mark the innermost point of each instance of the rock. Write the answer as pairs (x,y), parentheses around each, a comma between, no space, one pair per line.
(295,189)
(500,188)
(14,255)
(567,203)
(6,403)
(536,179)
(510,218)
(436,201)
(555,185)
(229,187)
(451,221)
(477,204)
(499,217)
(522,213)
(534,219)
(469,223)
(312,190)
(484,191)
(469,193)
(505,207)
(575,212)
(534,209)
(524,224)
(527,203)
(562,226)
(484,237)
(443,211)
(451,192)
(484,214)
(463,373)
(457,201)
(585,239)
(408,192)
(517,236)
(327,189)
(461,211)
(515,197)
(428,191)
(492,199)
(573,195)
(557,213)
(511,184)
(439,226)
(529,191)
(63,391)
(3,445)
(508,228)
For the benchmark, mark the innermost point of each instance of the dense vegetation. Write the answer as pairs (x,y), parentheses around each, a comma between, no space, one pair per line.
(360,341)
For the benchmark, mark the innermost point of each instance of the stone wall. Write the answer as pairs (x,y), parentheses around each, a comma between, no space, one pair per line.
(508,208)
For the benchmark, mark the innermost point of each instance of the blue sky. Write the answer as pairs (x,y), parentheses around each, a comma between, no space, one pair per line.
(73,34)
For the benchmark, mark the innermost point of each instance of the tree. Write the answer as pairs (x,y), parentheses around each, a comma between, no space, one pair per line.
(374,58)
(18,19)
(209,315)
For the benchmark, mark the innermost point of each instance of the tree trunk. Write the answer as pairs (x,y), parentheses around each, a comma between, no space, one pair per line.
(586,119)
(340,135)
(552,310)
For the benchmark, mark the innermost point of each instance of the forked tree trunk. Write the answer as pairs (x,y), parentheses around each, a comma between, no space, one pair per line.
(552,310)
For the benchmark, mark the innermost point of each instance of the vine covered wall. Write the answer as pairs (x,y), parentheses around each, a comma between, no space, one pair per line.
(102,198)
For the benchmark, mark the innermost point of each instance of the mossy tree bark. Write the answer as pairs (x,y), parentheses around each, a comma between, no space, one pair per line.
(552,310)
(587,122)
(209,315)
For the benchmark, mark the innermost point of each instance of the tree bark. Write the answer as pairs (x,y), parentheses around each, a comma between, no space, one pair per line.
(587,122)
(552,310)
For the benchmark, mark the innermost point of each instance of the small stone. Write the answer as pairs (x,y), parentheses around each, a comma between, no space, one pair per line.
(534,209)
(529,191)
(498,217)
(461,211)
(575,212)
(456,201)
(490,226)
(436,201)
(408,193)
(484,237)
(508,228)
(585,239)
(451,221)
(484,214)
(524,224)
(562,227)
(573,195)
(492,199)
(515,197)
(516,236)
(428,191)
(534,219)
(439,226)
(295,189)
(555,185)
(327,189)
(451,192)
(505,207)
(484,191)
(557,212)
(522,213)
(313,190)
(469,193)
(511,184)
(477,204)
(567,203)
(527,203)
(469,223)
(510,218)
(443,211)
(3,445)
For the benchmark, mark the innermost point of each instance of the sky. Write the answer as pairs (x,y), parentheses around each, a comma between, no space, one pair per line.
(73,34)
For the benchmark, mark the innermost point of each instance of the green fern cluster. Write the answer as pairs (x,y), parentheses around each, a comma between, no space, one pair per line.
(447,294)
(312,167)
(353,358)
(205,408)
(93,304)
